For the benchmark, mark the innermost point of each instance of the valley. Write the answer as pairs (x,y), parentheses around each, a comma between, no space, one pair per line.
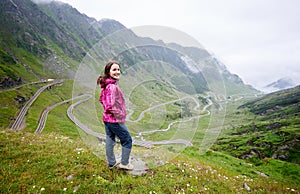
(207,169)
(233,118)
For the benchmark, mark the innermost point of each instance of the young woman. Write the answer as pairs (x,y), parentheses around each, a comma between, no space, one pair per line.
(114,116)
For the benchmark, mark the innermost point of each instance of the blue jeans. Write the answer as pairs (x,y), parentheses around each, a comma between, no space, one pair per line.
(120,130)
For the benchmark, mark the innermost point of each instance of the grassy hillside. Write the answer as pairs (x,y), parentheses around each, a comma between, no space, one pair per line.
(264,128)
(53,163)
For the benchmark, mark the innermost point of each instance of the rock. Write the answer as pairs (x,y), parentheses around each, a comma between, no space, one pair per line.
(262,174)
(139,166)
(246,187)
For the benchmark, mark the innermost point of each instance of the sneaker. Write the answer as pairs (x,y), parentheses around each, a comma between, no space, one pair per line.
(118,161)
(126,167)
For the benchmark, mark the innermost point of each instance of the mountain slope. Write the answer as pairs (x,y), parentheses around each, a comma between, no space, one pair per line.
(273,132)
(31,38)
(78,25)
(277,104)
(56,37)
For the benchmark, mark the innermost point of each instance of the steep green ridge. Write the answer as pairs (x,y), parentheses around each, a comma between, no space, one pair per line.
(44,39)
(79,26)
(6,71)
(272,130)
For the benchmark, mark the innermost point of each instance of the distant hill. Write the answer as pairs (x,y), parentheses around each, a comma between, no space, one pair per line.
(286,102)
(280,84)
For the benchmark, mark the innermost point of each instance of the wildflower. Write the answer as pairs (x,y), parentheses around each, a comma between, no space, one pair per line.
(194,170)
(42,189)
(65,189)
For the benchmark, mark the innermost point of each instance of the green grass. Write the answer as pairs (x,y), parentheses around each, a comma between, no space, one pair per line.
(9,104)
(53,163)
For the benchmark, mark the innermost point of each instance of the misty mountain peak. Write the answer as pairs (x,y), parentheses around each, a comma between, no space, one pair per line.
(280,84)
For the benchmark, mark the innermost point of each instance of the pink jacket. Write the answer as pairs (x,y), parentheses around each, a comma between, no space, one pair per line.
(113,102)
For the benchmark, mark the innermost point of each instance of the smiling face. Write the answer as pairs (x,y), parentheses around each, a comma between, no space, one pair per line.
(114,71)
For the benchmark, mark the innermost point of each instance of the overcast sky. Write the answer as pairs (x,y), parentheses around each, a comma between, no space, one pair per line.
(259,40)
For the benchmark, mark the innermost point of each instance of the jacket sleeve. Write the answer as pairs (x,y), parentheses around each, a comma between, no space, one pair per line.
(110,104)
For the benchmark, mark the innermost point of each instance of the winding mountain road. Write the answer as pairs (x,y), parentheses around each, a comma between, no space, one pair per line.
(20,118)
(158,105)
(43,118)
(86,129)
(174,122)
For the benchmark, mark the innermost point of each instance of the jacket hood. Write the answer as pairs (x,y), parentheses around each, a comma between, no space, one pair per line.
(108,81)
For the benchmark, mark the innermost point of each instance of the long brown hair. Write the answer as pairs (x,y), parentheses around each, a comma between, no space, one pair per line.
(101,79)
